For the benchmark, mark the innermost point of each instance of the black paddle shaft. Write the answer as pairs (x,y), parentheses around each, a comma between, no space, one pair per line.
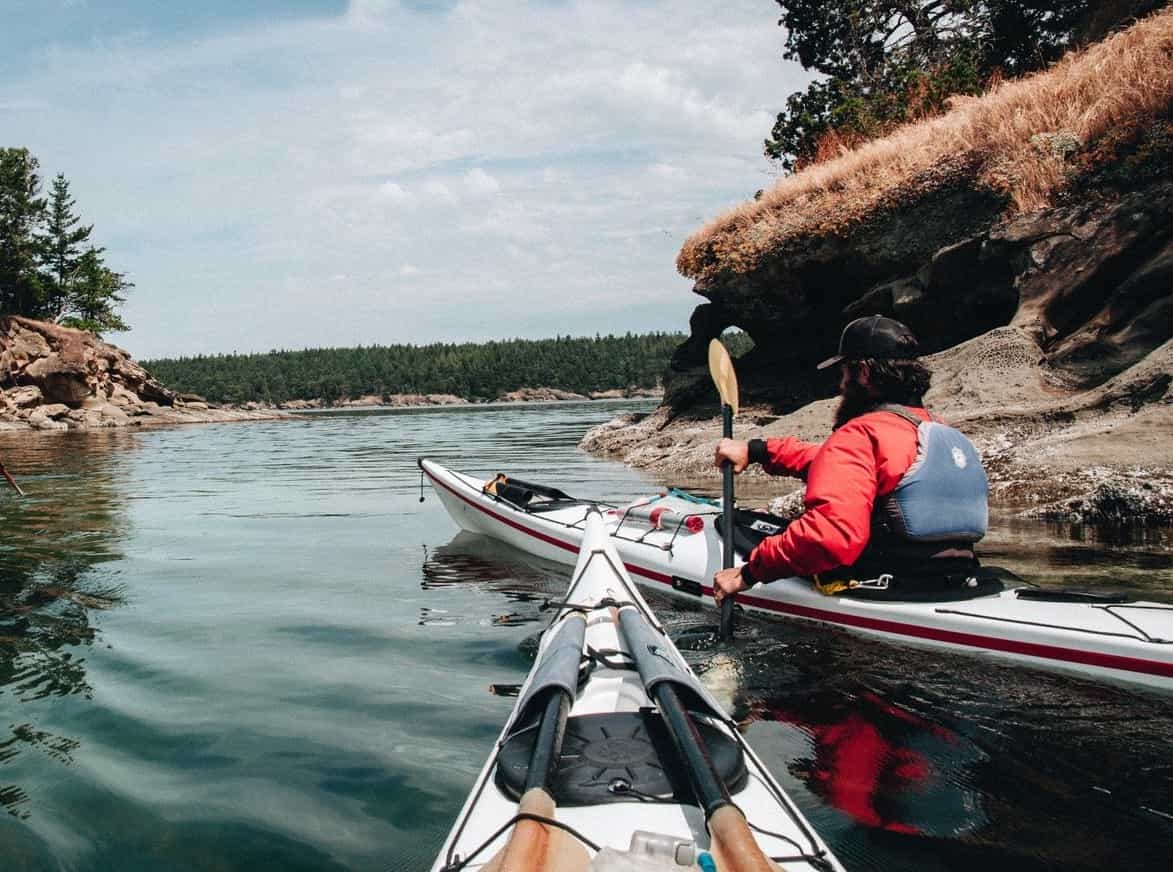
(710,791)
(727,489)
(726,627)
(548,742)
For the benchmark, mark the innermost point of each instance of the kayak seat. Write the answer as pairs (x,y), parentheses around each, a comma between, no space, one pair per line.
(617,757)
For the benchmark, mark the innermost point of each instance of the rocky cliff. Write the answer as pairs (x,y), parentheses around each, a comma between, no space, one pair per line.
(1036,266)
(56,378)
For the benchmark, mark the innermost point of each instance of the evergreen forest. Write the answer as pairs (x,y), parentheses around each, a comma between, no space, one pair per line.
(474,371)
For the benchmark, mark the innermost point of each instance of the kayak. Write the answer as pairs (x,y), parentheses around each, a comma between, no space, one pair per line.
(1100,636)
(617,758)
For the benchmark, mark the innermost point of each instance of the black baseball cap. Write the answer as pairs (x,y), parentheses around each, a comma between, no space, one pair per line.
(874,338)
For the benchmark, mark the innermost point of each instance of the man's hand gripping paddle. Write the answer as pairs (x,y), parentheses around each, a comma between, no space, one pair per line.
(721,369)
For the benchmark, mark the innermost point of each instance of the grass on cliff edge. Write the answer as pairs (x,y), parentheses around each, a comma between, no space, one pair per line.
(1017,139)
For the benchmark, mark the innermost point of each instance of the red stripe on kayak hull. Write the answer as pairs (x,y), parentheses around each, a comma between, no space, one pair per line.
(971,640)
(1038,650)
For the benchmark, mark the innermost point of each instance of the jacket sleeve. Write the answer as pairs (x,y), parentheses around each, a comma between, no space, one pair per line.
(789,456)
(835,527)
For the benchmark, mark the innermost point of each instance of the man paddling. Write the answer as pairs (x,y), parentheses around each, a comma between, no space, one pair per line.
(872,520)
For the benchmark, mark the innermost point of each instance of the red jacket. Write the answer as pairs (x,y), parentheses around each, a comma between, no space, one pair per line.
(862,460)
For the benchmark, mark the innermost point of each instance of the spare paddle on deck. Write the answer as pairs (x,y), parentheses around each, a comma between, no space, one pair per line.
(12,481)
(721,369)
(733,845)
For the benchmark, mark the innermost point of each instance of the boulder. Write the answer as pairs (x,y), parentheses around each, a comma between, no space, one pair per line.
(39,419)
(54,377)
(113,414)
(24,396)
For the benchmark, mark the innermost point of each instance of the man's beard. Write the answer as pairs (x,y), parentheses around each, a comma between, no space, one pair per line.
(853,402)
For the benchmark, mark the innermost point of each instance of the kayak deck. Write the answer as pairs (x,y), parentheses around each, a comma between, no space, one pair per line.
(1129,641)
(614,778)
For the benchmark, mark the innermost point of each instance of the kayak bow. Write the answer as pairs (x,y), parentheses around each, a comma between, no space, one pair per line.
(620,757)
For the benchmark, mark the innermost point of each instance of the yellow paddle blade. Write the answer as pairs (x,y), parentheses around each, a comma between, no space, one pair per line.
(721,369)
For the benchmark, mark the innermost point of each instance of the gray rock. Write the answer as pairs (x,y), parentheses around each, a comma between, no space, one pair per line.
(38,420)
(25,396)
(113,414)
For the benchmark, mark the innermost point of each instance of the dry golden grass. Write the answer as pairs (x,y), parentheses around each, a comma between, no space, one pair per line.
(1016,139)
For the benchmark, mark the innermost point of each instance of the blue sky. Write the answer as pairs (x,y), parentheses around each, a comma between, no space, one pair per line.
(305,173)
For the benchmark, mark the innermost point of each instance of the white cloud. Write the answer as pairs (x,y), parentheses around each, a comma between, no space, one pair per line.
(480,182)
(438,191)
(409,270)
(666,171)
(394,191)
(528,144)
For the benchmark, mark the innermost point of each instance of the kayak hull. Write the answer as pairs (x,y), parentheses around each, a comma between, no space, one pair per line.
(1128,642)
(600,590)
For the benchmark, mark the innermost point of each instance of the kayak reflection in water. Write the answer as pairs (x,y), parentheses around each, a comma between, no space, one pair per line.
(884,767)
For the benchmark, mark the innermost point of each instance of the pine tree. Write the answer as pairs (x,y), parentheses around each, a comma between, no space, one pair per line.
(62,249)
(94,292)
(21,211)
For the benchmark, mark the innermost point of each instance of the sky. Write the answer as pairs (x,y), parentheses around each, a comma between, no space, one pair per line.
(321,173)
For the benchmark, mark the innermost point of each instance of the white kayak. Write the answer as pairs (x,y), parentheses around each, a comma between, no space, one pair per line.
(679,549)
(616,758)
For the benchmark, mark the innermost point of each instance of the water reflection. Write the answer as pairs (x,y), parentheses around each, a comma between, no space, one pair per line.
(470,560)
(931,760)
(883,766)
(53,543)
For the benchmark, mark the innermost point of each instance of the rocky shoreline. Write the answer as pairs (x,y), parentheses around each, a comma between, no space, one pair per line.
(397,401)
(1052,452)
(57,378)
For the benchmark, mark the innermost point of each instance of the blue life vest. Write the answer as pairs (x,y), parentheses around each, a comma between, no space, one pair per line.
(943,497)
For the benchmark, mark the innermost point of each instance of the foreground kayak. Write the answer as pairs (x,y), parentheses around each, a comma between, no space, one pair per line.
(616,758)
(672,544)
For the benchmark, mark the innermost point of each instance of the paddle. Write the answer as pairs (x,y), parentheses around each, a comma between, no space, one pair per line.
(11,480)
(733,845)
(533,845)
(721,369)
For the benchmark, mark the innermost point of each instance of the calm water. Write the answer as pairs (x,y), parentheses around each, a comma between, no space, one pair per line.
(250,646)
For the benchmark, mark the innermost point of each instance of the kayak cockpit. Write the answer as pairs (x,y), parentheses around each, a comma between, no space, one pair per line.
(616,757)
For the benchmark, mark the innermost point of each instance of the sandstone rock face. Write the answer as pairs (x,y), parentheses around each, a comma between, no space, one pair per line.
(1090,283)
(1050,339)
(56,378)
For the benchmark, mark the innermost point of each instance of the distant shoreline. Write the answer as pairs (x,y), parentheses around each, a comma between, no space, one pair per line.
(415,401)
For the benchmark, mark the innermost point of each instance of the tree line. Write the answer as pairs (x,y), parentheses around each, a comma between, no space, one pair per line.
(474,371)
(49,268)
(884,63)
